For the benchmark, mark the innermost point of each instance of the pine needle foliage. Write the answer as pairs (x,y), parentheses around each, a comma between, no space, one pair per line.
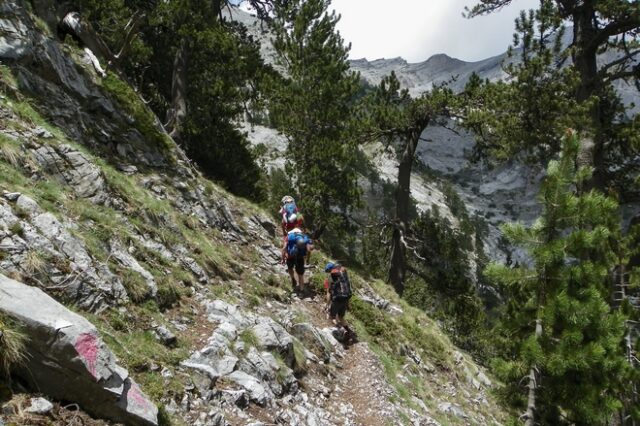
(578,359)
(314,106)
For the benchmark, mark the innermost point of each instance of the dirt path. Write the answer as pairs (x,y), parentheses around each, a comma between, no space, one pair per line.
(359,393)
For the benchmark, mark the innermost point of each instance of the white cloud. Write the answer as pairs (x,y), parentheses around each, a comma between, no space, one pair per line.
(417,29)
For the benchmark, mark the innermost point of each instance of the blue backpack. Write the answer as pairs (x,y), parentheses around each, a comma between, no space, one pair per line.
(297,244)
(289,209)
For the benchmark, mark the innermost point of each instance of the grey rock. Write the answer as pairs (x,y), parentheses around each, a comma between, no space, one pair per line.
(73,168)
(28,205)
(313,340)
(257,392)
(483,379)
(93,287)
(272,336)
(42,133)
(236,397)
(127,169)
(11,196)
(15,37)
(39,406)
(221,311)
(126,260)
(165,336)
(68,360)
(449,408)
(217,419)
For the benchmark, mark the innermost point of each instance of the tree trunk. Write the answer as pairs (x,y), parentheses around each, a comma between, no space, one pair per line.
(178,111)
(584,57)
(529,416)
(398,266)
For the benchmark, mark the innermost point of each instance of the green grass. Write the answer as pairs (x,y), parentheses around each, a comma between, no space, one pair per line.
(168,292)
(135,284)
(12,346)
(16,229)
(248,337)
(7,77)
(143,117)
(10,151)
(299,358)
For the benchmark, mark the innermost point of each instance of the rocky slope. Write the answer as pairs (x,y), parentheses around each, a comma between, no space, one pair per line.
(138,284)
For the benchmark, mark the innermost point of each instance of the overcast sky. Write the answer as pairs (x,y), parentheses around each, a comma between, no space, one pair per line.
(417,29)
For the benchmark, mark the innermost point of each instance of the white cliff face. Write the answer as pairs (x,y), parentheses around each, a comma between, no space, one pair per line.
(507,193)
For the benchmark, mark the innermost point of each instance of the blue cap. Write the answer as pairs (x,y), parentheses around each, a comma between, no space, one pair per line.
(329,266)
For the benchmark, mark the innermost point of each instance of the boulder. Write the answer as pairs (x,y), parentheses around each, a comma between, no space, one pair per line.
(68,361)
(313,340)
(165,336)
(272,336)
(257,392)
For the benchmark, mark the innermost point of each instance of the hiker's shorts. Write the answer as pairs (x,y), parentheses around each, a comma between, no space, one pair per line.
(338,307)
(298,262)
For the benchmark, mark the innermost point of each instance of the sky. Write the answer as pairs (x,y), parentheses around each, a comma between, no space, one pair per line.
(418,29)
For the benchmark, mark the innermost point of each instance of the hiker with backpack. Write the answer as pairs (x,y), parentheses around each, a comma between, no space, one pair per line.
(291,216)
(338,288)
(297,247)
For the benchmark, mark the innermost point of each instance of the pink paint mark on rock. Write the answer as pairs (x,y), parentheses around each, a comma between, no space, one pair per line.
(88,347)
(138,398)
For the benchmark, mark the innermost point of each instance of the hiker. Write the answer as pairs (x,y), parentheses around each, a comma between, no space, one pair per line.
(297,247)
(291,216)
(338,288)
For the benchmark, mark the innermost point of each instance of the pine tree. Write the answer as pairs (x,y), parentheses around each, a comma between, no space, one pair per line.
(599,27)
(399,120)
(558,329)
(314,106)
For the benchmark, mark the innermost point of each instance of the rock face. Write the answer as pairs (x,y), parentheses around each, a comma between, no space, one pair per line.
(29,235)
(230,354)
(68,361)
(73,168)
(66,93)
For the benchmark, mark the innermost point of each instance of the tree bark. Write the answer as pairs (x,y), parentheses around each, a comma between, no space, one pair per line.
(584,57)
(178,111)
(398,266)
(529,416)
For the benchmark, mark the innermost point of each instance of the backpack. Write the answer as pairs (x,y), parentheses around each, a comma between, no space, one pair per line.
(295,250)
(340,285)
(288,212)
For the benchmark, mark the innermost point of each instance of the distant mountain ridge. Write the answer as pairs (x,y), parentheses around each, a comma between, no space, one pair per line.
(421,76)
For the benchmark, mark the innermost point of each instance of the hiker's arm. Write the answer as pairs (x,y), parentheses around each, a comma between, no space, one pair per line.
(309,250)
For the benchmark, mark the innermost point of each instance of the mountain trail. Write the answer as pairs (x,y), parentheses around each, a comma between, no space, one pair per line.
(360,394)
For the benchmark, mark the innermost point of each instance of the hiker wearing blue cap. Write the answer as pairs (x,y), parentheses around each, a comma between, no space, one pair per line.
(338,288)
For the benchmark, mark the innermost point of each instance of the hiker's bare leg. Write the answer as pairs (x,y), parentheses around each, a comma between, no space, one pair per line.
(293,276)
(301,281)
